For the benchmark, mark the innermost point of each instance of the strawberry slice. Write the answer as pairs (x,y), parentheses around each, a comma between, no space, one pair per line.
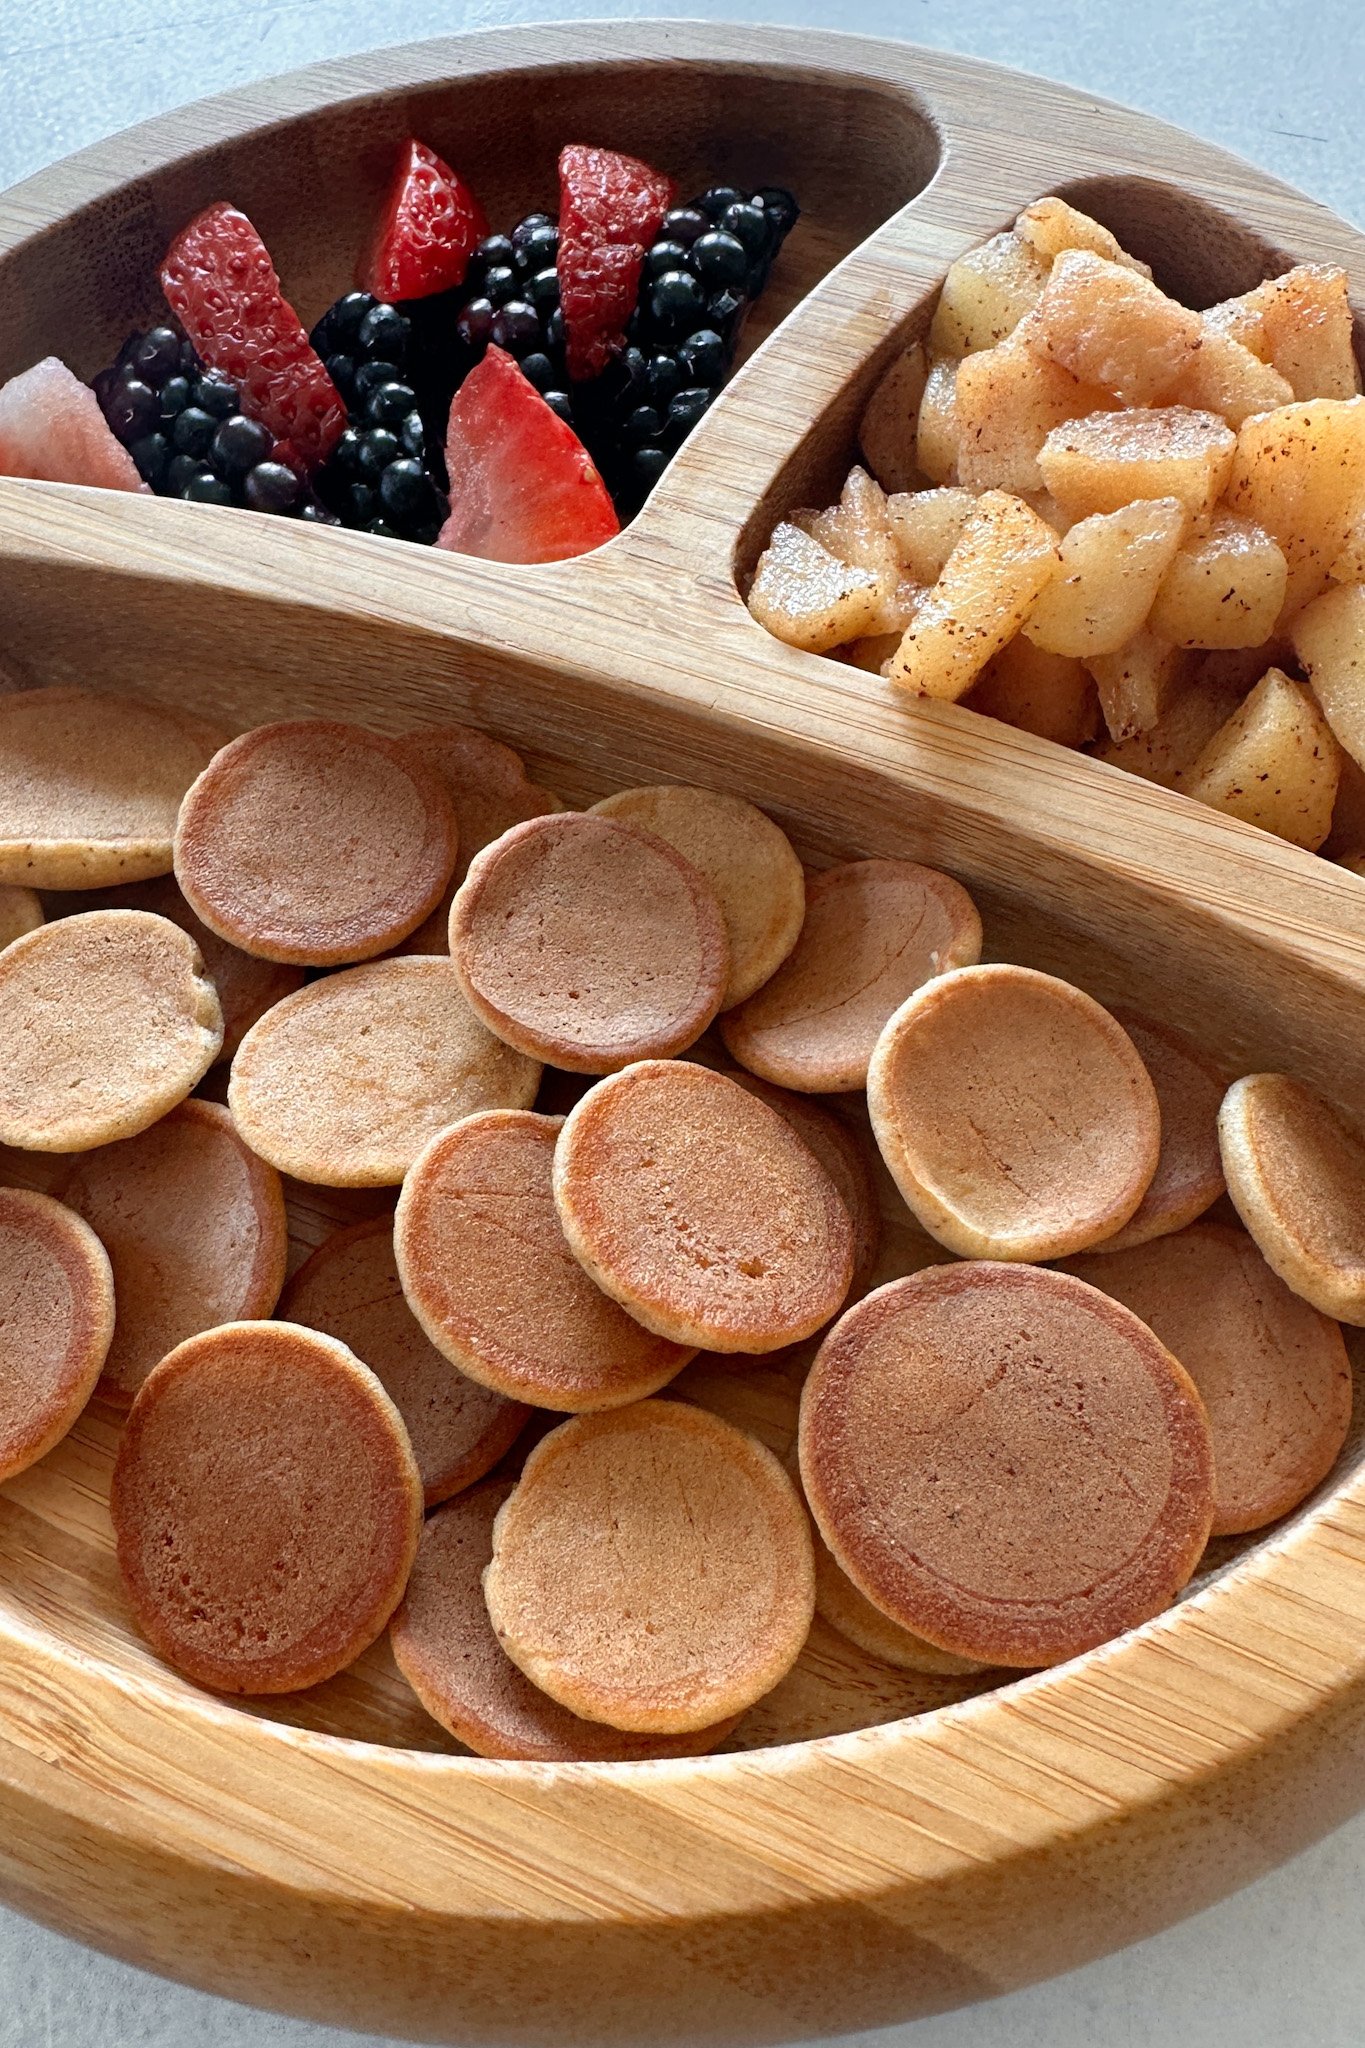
(523,487)
(610,208)
(221,284)
(430,227)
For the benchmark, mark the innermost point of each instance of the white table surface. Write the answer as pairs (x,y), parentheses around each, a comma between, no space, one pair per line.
(1282,1964)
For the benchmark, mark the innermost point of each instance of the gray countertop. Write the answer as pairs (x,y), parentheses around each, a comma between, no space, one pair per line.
(1281,1963)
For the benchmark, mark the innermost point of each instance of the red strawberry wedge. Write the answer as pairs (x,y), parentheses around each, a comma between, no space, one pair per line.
(610,208)
(220,282)
(523,487)
(429,229)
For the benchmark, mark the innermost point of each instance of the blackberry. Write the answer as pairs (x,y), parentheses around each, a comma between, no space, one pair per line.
(184,428)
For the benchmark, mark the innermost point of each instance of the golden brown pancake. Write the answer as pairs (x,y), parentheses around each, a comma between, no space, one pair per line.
(589,944)
(1189,1172)
(315,843)
(1271,1370)
(266,1508)
(106,1021)
(840,1151)
(1005,1461)
(652,1569)
(350,1290)
(748,861)
(491,1279)
(246,987)
(698,1208)
(194,1226)
(1296,1175)
(490,791)
(875,931)
(445,1647)
(1014,1114)
(58,1296)
(20,912)
(852,1614)
(90,786)
(345,1082)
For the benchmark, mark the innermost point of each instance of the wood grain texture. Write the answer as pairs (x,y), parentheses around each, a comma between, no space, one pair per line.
(874,1845)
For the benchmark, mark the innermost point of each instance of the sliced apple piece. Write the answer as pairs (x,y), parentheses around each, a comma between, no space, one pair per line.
(808,597)
(886,433)
(1299,472)
(1007,401)
(1004,560)
(1051,225)
(1047,694)
(937,434)
(1139,683)
(1329,639)
(1105,461)
(1112,566)
(985,295)
(926,527)
(1111,326)
(1274,764)
(1225,588)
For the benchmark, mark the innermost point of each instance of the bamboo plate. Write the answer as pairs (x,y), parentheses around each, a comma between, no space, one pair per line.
(877,1848)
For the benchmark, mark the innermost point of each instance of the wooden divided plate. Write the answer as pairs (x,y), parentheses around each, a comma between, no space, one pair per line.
(874,1846)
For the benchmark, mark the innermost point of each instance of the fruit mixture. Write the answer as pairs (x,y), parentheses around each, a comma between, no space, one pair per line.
(1125,526)
(514,396)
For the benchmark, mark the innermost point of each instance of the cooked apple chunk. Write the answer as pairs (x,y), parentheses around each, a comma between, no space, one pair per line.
(926,527)
(1226,378)
(985,295)
(857,529)
(886,433)
(1224,588)
(1329,639)
(1302,325)
(1004,560)
(1008,400)
(1110,326)
(1139,683)
(1300,473)
(808,597)
(1112,565)
(1274,764)
(1168,750)
(1105,461)
(1047,694)
(937,434)
(1051,225)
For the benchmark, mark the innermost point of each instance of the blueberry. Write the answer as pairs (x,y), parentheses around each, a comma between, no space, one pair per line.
(215,395)
(390,404)
(271,487)
(175,395)
(644,424)
(341,370)
(193,430)
(346,315)
(724,306)
(151,455)
(684,224)
(542,290)
(384,334)
(701,357)
(539,370)
(537,245)
(475,325)
(559,401)
(207,489)
(664,378)
(181,472)
(371,375)
(714,202)
(719,260)
(428,531)
(647,465)
(780,206)
(315,514)
(156,356)
(358,505)
(132,409)
(665,256)
(677,302)
(516,327)
(554,329)
(500,284)
(406,492)
(493,252)
(378,448)
(633,368)
(413,435)
(749,225)
(238,445)
(685,410)
(189,359)
(345,457)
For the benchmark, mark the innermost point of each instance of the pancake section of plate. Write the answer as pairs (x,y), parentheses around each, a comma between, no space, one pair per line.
(58,1296)
(1296,1174)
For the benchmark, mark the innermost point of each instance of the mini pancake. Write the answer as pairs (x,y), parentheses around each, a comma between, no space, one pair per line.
(748,861)
(58,1318)
(698,1208)
(264,1558)
(345,1082)
(107,1020)
(589,943)
(842,1155)
(1271,1371)
(658,1510)
(246,987)
(350,1290)
(90,786)
(20,912)
(1189,1172)
(875,931)
(1014,1114)
(194,1226)
(490,792)
(314,843)
(444,1645)
(1005,1461)
(852,1615)
(1296,1175)
(491,1279)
